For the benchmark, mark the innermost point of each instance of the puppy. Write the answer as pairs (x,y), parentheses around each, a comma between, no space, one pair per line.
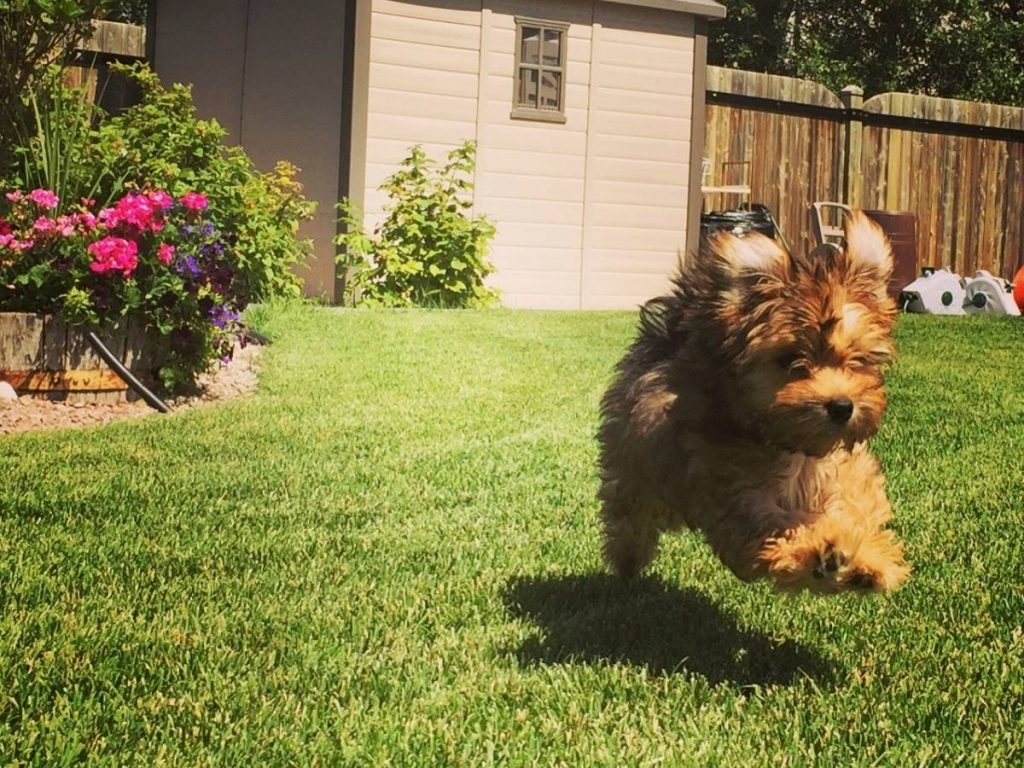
(742,409)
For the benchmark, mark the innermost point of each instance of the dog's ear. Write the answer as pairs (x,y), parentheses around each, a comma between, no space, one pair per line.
(867,248)
(751,254)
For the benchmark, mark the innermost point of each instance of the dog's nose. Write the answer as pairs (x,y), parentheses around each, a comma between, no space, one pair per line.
(839,410)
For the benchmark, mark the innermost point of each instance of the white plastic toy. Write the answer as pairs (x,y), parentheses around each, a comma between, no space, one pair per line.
(987,294)
(936,292)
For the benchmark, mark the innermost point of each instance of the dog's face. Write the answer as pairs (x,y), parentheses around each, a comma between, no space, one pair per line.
(805,339)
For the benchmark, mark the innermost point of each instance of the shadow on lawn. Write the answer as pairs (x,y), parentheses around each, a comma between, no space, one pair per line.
(668,630)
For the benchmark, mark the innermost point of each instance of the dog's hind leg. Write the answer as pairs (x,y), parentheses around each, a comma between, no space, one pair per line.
(631,535)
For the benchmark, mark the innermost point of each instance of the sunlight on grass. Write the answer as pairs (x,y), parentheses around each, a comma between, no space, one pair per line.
(389,555)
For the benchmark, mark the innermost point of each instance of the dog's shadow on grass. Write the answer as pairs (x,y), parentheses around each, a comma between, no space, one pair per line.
(668,630)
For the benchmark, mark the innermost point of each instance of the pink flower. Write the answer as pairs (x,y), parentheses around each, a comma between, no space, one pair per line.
(86,221)
(165,254)
(161,199)
(44,198)
(6,238)
(66,225)
(194,201)
(44,224)
(133,211)
(14,196)
(114,254)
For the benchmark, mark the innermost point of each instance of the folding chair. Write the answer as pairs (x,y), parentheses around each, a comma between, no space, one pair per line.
(826,226)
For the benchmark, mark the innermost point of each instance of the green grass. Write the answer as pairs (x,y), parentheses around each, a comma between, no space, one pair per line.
(389,557)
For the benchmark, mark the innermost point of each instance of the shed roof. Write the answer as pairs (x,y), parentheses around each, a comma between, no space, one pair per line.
(707,8)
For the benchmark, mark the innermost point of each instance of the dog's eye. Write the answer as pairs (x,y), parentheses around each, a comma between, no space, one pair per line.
(787,361)
(793,365)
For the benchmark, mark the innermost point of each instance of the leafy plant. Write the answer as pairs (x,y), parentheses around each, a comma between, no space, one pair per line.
(58,149)
(429,250)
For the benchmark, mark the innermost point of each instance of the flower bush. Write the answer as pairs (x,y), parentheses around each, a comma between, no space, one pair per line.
(146,213)
(149,255)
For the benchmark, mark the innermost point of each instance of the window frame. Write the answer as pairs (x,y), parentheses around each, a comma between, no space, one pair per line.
(523,112)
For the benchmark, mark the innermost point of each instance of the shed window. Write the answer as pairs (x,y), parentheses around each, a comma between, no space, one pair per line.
(540,70)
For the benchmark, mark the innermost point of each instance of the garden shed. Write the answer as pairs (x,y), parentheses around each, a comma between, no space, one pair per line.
(588,117)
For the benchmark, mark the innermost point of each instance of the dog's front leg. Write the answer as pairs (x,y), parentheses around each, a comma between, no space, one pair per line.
(842,548)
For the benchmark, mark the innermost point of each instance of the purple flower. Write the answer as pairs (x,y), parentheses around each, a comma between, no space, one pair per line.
(222,314)
(187,265)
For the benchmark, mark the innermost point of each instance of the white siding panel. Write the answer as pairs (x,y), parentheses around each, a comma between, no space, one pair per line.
(622,123)
(410,29)
(389,102)
(532,210)
(578,14)
(639,194)
(638,161)
(533,164)
(525,136)
(641,147)
(612,261)
(626,77)
(642,53)
(539,187)
(660,104)
(395,77)
(461,11)
(625,290)
(536,259)
(423,56)
(527,234)
(647,215)
(590,212)
(640,171)
(421,128)
(639,238)
(538,290)
(388,153)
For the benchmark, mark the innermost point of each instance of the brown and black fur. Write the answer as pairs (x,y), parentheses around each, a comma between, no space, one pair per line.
(742,410)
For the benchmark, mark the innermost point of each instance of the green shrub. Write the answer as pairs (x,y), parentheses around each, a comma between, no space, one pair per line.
(428,251)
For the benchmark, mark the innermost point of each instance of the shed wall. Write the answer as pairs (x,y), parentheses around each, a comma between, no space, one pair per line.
(591,213)
(278,99)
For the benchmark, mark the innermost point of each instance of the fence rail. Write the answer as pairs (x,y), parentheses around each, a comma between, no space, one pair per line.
(110,41)
(956,165)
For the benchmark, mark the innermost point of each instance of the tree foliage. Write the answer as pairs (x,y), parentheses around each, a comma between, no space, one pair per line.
(33,34)
(968,49)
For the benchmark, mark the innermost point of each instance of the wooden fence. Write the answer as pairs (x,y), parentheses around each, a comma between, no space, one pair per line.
(89,65)
(958,166)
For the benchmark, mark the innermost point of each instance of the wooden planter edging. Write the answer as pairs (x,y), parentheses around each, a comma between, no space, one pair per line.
(43,355)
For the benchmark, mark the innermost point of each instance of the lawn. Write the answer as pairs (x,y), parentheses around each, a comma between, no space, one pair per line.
(389,556)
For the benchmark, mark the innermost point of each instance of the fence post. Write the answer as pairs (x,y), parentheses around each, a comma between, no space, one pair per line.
(852,97)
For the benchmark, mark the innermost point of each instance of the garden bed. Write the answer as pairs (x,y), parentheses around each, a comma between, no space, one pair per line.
(41,355)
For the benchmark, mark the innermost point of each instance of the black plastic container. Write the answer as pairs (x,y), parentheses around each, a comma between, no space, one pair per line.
(740,222)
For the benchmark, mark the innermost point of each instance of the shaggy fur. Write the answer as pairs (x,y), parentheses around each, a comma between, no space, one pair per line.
(742,410)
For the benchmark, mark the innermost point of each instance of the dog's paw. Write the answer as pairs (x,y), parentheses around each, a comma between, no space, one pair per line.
(829,559)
